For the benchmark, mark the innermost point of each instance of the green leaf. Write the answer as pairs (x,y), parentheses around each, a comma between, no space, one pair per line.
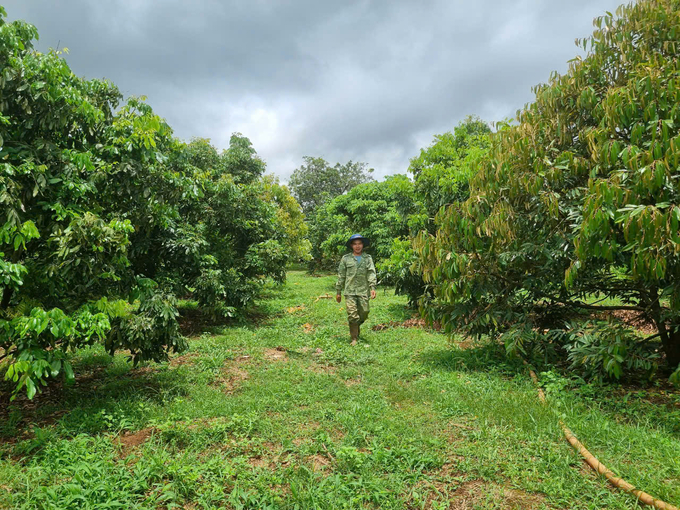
(55,367)
(30,388)
(68,370)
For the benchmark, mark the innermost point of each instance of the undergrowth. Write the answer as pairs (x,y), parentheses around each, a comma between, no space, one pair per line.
(279,411)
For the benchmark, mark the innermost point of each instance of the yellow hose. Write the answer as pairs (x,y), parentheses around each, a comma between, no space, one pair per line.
(601,468)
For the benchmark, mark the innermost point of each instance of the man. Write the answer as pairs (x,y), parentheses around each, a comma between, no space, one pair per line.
(356,278)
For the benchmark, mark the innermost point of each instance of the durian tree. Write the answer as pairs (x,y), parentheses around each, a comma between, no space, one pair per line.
(577,208)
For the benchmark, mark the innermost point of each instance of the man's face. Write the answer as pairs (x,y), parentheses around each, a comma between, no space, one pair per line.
(357,246)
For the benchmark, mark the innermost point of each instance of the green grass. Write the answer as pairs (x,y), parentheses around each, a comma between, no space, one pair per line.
(404,420)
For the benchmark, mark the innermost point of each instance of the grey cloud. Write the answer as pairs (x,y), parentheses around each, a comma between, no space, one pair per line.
(364,80)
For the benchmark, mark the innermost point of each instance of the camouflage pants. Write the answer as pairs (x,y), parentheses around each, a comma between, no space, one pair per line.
(357,309)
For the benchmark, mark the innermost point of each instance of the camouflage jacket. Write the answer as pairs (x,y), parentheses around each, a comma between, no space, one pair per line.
(356,279)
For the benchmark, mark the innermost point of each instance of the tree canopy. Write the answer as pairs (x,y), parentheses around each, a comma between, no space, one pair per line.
(107,218)
(578,201)
(316,182)
(441,174)
(377,210)
(443,170)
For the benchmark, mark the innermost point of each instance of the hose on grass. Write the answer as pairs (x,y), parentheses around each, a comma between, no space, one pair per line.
(592,461)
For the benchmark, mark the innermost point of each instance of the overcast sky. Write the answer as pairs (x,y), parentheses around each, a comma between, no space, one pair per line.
(370,81)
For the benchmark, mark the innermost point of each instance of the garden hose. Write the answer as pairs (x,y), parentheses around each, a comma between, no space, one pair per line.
(592,461)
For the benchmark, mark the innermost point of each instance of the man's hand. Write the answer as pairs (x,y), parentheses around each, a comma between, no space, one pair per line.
(338,298)
(372,294)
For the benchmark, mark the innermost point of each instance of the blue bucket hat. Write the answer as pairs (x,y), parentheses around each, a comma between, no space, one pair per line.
(367,243)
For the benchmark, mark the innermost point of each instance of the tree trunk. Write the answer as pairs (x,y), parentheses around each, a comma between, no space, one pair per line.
(671,346)
(670,338)
(6,297)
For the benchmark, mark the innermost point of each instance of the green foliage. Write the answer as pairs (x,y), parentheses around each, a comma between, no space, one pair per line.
(28,336)
(401,270)
(579,198)
(606,349)
(443,170)
(292,230)
(675,377)
(106,217)
(152,330)
(441,173)
(316,182)
(376,210)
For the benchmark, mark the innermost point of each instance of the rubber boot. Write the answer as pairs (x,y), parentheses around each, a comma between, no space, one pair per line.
(354,333)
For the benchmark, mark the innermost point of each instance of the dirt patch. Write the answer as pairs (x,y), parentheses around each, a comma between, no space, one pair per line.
(352,382)
(312,426)
(130,441)
(443,491)
(432,494)
(635,320)
(269,456)
(476,493)
(662,394)
(459,426)
(282,489)
(319,463)
(52,395)
(258,462)
(231,378)
(184,359)
(277,354)
(192,321)
(448,472)
(232,375)
(322,369)
(455,433)
(465,344)
(450,467)
(413,322)
(295,309)
(139,373)
(308,328)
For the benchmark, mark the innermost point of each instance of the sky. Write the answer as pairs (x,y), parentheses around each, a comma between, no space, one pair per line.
(361,80)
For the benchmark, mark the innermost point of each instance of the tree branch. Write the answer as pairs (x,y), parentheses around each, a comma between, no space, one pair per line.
(605,308)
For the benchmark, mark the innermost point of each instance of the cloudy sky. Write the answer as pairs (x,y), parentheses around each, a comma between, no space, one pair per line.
(370,81)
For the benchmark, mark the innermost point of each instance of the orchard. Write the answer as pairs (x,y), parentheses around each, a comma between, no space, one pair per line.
(171,330)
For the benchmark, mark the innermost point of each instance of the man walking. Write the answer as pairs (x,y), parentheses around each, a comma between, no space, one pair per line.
(356,278)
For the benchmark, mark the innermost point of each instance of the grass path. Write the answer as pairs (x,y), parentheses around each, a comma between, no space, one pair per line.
(283,413)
